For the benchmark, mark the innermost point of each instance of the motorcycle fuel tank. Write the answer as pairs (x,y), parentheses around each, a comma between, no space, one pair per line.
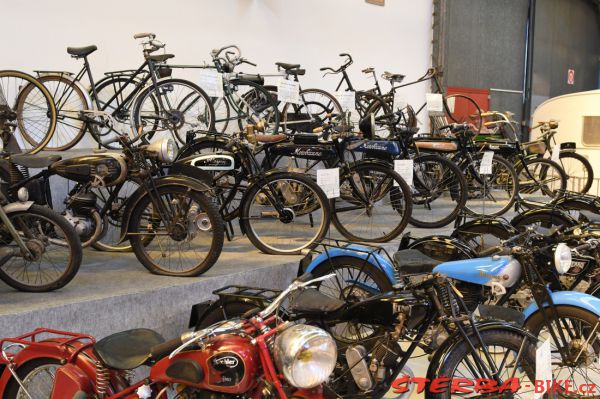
(228,364)
(505,270)
(101,169)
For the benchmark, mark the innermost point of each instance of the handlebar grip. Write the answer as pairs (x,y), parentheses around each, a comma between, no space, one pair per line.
(161,350)
(304,278)
(345,55)
(142,35)
(250,63)
(583,247)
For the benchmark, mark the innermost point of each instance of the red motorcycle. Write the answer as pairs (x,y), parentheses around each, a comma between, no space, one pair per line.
(257,357)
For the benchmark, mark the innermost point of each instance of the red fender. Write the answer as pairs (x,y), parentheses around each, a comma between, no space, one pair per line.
(70,380)
(315,393)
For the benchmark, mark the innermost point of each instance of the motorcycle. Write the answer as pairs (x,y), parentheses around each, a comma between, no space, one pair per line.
(368,327)
(258,357)
(164,218)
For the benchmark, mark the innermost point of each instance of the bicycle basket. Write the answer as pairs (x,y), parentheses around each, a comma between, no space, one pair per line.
(165,72)
(535,147)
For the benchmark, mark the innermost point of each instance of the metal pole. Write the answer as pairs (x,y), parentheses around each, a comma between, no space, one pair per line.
(528,71)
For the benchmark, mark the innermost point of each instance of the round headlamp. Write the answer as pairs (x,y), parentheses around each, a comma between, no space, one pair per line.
(562,258)
(164,149)
(306,355)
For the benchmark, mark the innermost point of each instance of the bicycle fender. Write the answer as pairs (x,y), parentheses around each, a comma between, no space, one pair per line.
(516,221)
(571,298)
(17,206)
(356,251)
(480,226)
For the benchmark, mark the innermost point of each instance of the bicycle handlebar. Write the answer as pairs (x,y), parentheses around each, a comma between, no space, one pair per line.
(143,35)
(346,64)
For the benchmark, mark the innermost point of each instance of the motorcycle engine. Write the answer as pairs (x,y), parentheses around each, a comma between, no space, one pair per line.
(81,213)
(83,225)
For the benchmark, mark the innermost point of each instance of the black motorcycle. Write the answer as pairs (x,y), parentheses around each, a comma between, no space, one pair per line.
(172,226)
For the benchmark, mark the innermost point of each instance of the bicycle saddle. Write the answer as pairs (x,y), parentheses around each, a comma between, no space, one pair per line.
(292,69)
(81,51)
(411,261)
(160,57)
(34,161)
(393,77)
(270,138)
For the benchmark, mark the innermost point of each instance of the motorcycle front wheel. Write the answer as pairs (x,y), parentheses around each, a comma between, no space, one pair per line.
(55,247)
(188,244)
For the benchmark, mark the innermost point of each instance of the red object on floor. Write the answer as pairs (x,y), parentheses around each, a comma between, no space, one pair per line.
(480,96)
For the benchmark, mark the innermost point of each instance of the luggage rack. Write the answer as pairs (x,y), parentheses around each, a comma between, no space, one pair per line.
(247,293)
(33,339)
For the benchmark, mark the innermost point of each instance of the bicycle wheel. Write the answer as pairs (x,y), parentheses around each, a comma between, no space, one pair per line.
(506,355)
(374,204)
(492,194)
(316,106)
(463,109)
(369,103)
(119,107)
(34,108)
(578,169)
(439,191)
(301,221)
(187,245)
(580,361)
(38,377)
(183,106)
(109,241)
(55,247)
(70,101)
(541,181)
(255,106)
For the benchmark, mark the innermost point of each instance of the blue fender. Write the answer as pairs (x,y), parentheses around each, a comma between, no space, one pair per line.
(572,298)
(356,251)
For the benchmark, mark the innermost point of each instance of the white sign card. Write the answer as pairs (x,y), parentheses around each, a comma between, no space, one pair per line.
(405,168)
(485,168)
(543,366)
(211,82)
(329,181)
(556,153)
(435,102)
(288,91)
(346,99)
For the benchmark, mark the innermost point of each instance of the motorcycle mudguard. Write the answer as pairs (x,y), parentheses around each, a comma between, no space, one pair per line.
(17,206)
(556,212)
(442,248)
(70,382)
(439,356)
(171,180)
(23,357)
(485,225)
(571,298)
(582,202)
(189,147)
(356,251)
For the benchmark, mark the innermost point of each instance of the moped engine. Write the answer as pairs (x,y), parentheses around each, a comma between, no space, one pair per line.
(369,369)
(81,212)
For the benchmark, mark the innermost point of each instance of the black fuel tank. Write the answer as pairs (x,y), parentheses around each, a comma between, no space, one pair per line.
(315,152)
(104,169)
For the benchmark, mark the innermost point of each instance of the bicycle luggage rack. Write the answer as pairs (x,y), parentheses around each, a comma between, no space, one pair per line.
(247,293)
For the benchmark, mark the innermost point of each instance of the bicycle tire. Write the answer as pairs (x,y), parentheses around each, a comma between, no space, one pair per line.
(266,97)
(51,114)
(206,116)
(332,107)
(586,166)
(400,195)
(525,186)
(71,240)
(292,180)
(475,119)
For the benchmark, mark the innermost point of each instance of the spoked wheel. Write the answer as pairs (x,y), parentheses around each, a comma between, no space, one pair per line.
(374,204)
(70,101)
(439,191)
(38,378)
(54,246)
(188,243)
(463,109)
(32,105)
(579,361)
(119,109)
(222,114)
(114,215)
(506,355)
(541,181)
(183,107)
(317,106)
(578,169)
(255,106)
(355,281)
(491,194)
(285,213)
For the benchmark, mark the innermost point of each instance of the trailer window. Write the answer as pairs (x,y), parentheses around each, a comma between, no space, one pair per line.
(591,130)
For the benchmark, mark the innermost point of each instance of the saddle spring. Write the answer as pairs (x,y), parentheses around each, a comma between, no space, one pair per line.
(102,379)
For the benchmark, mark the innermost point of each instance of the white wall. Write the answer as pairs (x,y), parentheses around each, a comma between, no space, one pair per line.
(396,37)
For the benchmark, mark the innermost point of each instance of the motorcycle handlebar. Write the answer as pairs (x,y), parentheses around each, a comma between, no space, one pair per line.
(161,350)
(143,35)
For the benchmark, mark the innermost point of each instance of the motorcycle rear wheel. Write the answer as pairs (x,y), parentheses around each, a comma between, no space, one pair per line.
(32,375)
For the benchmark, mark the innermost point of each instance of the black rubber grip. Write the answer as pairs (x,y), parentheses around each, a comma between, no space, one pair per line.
(161,350)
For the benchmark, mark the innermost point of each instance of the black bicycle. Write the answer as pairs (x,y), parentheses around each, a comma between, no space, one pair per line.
(144,100)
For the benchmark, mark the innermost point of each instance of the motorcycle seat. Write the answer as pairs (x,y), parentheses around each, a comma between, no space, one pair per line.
(81,51)
(411,261)
(313,301)
(127,350)
(34,161)
(270,138)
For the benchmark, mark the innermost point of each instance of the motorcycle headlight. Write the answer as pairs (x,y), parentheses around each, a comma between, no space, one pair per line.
(306,355)
(562,258)
(164,150)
